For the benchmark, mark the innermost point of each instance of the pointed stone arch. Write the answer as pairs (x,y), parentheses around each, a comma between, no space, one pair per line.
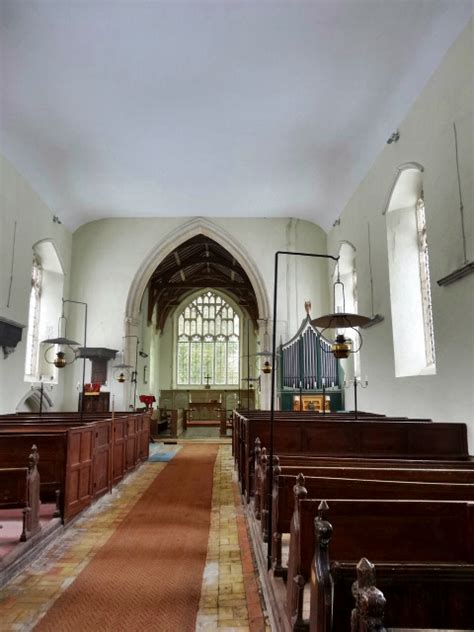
(181,234)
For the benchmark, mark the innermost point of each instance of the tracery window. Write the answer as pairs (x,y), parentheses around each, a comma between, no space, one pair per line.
(208,342)
(32,340)
(408,263)
(47,282)
(425,282)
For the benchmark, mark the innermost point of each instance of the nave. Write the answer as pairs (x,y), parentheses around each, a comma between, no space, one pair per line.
(61,589)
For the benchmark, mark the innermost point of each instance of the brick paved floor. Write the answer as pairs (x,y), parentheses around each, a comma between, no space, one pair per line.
(230,597)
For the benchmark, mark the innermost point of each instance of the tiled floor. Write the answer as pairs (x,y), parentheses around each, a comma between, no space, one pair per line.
(230,598)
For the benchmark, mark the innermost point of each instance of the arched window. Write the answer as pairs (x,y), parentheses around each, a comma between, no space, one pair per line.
(425,282)
(410,292)
(32,339)
(208,342)
(47,280)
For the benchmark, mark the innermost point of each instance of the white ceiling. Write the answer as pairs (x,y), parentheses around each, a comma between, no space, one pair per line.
(238,108)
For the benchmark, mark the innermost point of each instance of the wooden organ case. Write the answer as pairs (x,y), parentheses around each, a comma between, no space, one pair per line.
(309,372)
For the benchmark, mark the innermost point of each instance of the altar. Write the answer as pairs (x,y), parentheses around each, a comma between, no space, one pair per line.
(205,411)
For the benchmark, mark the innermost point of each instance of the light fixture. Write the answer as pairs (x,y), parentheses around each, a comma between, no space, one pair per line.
(251,380)
(61,360)
(267,365)
(122,372)
(376,318)
(334,321)
(63,343)
(341,347)
(125,372)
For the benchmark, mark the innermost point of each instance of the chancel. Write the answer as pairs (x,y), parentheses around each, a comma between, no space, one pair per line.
(257,219)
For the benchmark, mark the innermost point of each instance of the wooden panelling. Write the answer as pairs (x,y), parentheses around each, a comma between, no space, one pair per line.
(81,459)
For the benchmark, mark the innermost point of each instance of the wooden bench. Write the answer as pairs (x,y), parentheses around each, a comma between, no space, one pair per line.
(80,459)
(379,439)
(20,488)
(301,462)
(391,531)
(362,483)
(240,421)
(415,595)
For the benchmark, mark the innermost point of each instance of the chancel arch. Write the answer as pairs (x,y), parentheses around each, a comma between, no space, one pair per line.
(182,233)
(200,269)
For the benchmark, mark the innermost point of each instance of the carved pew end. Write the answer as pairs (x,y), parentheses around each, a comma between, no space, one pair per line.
(369,610)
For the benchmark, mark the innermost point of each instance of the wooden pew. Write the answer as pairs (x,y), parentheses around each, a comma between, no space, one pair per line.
(131,430)
(80,459)
(392,531)
(362,483)
(415,595)
(20,488)
(381,439)
(293,464)
(240,418)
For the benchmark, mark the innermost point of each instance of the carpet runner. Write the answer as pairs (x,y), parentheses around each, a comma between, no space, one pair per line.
(148,574)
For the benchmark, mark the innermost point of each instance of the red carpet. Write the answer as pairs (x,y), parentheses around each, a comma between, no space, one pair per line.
(148,575)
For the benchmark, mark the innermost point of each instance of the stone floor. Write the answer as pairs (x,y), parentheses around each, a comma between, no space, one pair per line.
(230,597)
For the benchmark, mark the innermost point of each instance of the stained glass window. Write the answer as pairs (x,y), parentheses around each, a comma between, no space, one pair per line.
(208,342)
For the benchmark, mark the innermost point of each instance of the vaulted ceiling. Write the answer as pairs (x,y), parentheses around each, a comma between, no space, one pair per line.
(198,263)
(203,108)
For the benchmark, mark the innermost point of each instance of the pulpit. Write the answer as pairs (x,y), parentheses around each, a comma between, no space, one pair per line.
(95,402)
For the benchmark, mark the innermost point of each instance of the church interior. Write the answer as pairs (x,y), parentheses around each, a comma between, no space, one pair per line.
(236,240)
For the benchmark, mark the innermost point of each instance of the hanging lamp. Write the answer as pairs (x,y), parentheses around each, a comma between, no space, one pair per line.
(61,358)
(341,346)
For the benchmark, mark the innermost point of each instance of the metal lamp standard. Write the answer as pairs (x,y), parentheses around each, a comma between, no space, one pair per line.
(330,321)
(356,382)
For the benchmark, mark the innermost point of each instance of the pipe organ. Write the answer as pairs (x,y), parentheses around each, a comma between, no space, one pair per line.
(307,368)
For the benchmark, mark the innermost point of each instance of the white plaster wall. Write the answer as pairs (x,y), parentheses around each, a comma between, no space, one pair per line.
(19,203)
(108,253)
(426,137)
